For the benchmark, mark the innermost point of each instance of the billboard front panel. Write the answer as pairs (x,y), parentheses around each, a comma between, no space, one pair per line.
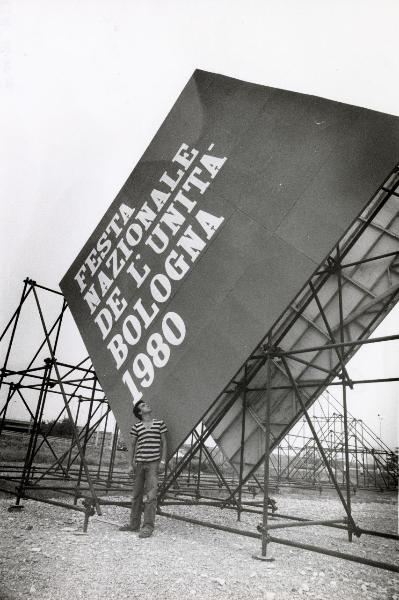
(238,198)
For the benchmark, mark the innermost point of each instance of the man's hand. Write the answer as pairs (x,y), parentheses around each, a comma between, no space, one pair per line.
(161,466)
(131,470)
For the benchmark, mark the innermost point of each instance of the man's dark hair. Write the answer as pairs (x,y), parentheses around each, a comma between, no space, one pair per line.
(137,409)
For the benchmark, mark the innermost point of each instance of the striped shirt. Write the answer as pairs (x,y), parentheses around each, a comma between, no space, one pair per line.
(148,445)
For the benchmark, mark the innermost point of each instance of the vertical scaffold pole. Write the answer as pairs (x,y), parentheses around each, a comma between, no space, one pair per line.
(266,461)
(189,464)
(66,403)
(79,398)
(100,460)
(322,453)
(5,408)
(198,489)
(112,457)
(85,440)
(242,443)
(15,318)
(35,449)
(33,435)
(344,402)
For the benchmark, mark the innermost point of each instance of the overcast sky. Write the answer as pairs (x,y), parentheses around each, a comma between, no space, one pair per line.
(84,85)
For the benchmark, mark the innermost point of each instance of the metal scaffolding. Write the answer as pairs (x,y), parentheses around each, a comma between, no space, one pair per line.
(297,461)
(341,305)
(306,351)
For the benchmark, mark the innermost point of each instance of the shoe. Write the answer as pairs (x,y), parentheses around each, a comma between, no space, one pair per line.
(145,532)
(128,528)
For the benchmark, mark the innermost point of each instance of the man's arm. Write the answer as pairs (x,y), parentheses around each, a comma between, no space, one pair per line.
(164,449)
(133,454)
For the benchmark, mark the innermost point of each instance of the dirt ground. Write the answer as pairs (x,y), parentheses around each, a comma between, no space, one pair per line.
(42,557)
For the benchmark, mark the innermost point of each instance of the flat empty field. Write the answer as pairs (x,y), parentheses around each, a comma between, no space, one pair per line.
(42,557)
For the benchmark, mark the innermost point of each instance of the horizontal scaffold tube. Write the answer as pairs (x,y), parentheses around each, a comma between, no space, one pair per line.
(293,544)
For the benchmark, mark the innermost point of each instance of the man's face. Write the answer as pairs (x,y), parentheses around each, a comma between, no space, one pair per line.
(146,411)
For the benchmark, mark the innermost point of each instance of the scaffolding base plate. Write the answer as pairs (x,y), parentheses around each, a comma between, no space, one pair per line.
(15,508)
(263,558)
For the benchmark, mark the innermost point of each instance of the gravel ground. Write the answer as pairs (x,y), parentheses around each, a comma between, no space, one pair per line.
(42,557)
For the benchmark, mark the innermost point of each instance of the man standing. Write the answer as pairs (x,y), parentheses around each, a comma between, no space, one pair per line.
(147,459)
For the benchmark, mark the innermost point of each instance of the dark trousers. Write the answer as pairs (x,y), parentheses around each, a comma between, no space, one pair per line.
(145,485)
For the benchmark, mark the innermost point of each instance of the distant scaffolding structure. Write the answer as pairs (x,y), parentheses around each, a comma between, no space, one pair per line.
(297,459)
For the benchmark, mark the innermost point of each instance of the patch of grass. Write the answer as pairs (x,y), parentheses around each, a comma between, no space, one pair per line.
(13,450)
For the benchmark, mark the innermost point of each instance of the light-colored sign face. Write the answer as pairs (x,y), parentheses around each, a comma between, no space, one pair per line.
(238,198)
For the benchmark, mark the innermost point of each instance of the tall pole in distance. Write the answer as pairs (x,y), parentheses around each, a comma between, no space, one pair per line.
(380,420)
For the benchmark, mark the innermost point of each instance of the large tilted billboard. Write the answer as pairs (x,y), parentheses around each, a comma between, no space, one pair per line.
(238,198)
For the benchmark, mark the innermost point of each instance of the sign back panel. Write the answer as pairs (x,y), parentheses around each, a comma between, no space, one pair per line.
(239,197)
